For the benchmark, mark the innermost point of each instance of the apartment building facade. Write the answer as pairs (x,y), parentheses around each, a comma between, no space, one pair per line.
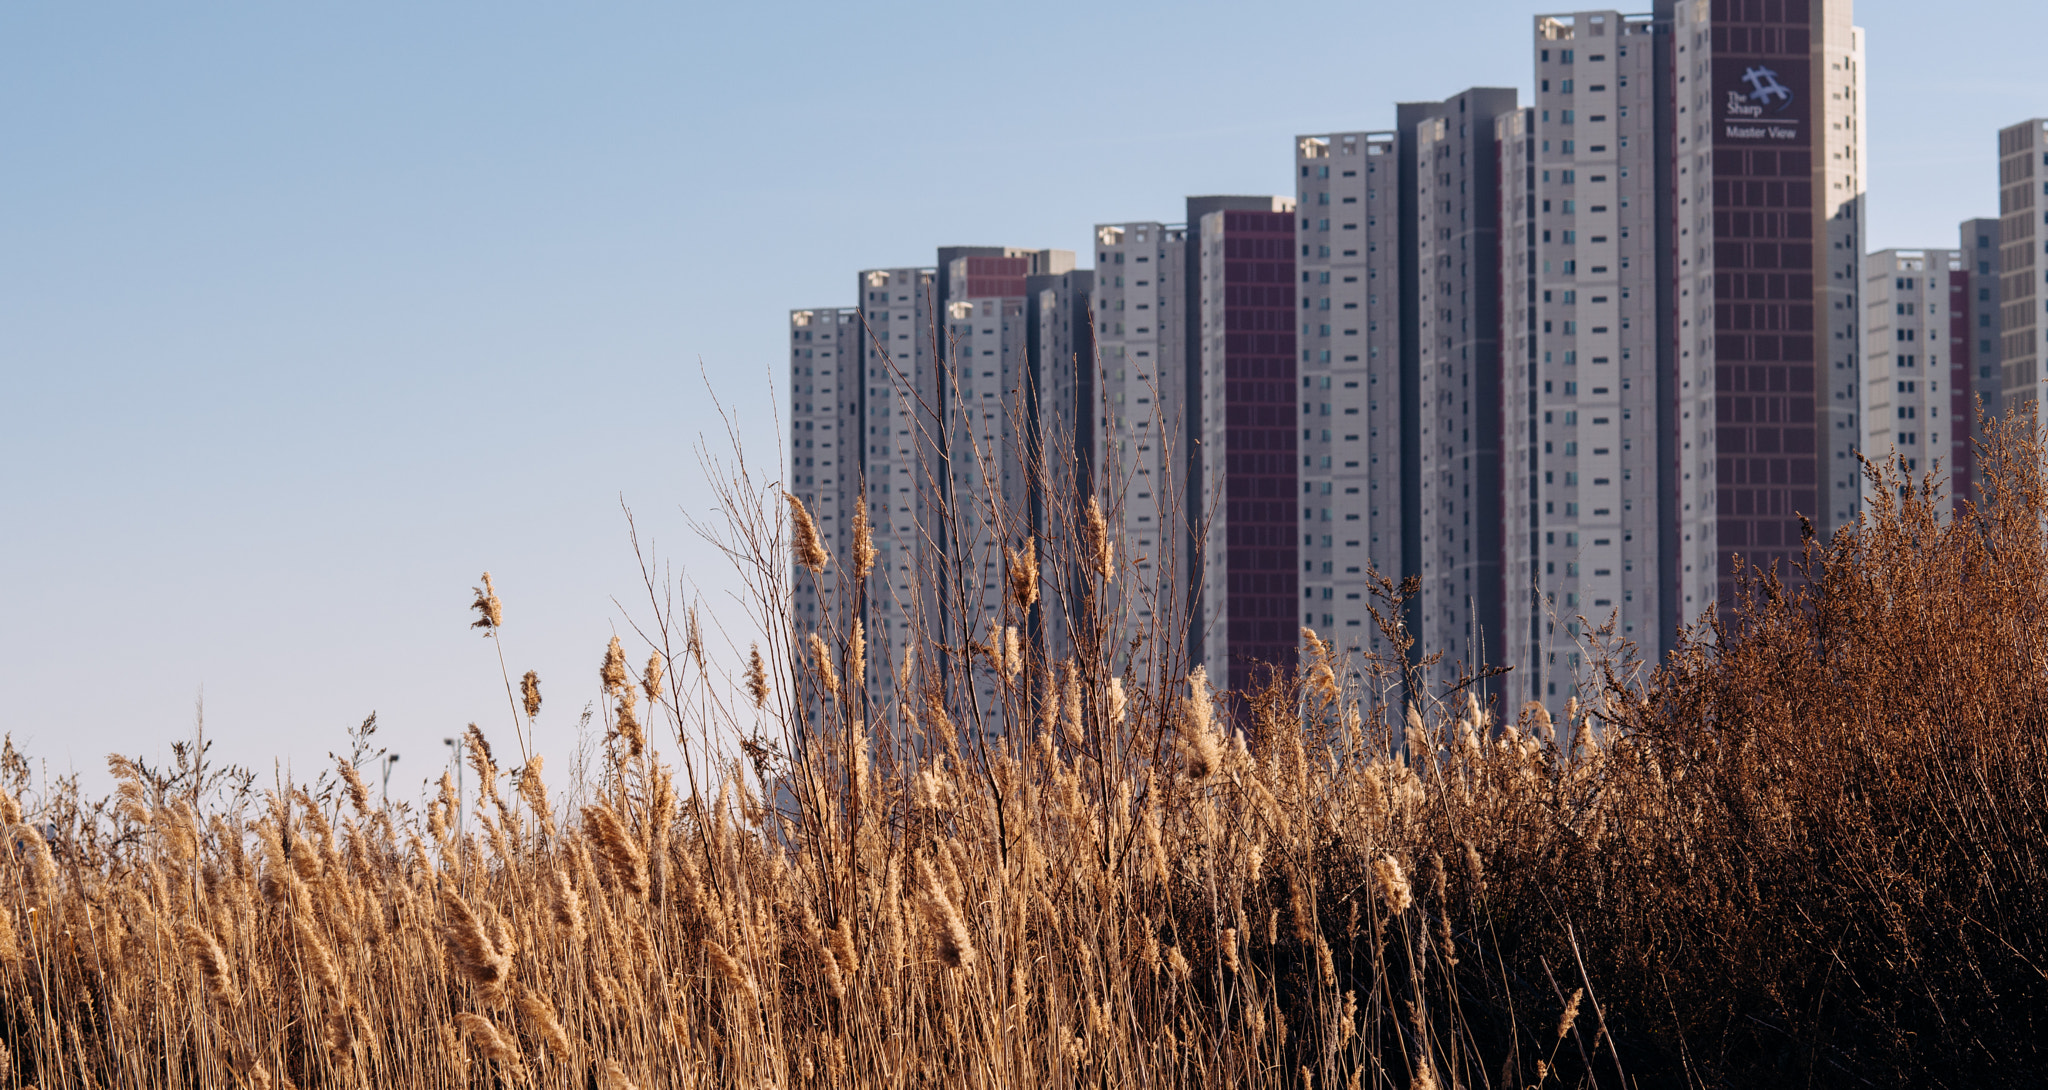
(1593,502)
(823,353)
(1066,437)
(1141,271)
(2022,234)
(1770,237)
(991,408)
(1242,324)
(1451,330)
(1348,257)
(893,427)
(1978,344)
(1912,405)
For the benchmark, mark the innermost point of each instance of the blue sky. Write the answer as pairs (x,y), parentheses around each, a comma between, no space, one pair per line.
(311,313)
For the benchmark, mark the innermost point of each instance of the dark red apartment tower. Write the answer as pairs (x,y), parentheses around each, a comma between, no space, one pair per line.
(1769,242)
(1246,324)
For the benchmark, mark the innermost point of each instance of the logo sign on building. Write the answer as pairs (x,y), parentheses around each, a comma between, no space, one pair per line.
(1760,99)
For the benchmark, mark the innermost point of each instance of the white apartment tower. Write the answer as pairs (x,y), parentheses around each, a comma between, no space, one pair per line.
(823,348)
(1583,264)
(1141,331)
(1909,368)
(987,394)
(1347,215)
(824,471)
(891,424)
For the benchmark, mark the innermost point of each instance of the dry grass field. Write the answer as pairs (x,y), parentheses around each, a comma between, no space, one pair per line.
(1806,849)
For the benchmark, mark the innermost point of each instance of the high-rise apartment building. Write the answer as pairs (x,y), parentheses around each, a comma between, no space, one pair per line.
(1141,272)
(824,471)
(1065,438)
(1564,365)
(1591,505)
(990,399)
(1348,255)
(2022,184)
(1242,329)
(935,403)
(1911,398)
(824,347)
(1769,204)
(892,430)
(1451,367)
(1976,345)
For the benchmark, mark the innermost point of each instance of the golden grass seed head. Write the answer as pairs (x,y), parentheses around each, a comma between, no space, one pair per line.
(1013,653)
(1393,884)
(628,722)
(821,665)
(1177,965)
(628,859)
(650,678)
(1098,549)
(1475,869)
(481,759)
(199,943)
(615,1077)
(1070,702)
(529,693)
(863,539)
(955,943)
(1204,750)
(490,611)
(612,672)
(1571,1013)
(546,1026)
(757,678)
(731,970)
(1022,568)
(358,794)
(809,551)
(320,957)
(843,949)
(475,950)
(857,654)
(485,1036)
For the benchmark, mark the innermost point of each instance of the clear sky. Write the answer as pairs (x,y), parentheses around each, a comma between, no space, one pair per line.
(310,313)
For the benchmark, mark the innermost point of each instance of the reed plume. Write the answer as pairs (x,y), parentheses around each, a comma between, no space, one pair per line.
(757,678)
(863,539)
(809,551)
(490,612)
(529,693)
(199,942)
